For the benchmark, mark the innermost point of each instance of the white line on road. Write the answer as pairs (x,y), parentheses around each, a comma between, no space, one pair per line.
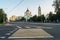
(44,27)
(7,33)
(27,27)
(19,27)
(2,37)
(34,37)
(8,24)
(11,32)
(48,27)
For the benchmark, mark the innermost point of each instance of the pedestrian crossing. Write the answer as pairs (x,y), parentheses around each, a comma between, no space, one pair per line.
(8,34)
(34,27)
(25,27)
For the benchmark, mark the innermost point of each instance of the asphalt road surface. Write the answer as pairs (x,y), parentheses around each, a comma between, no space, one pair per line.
(8,29)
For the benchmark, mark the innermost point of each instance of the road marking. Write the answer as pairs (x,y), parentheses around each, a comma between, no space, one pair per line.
(2,37)
(33,37)
(27,27)
(7,33)
(38,27)
(11,32)
(44,27)
(8,24)
(19,27)
(48,27)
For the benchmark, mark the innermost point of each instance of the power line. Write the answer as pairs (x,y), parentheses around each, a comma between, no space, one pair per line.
(16,6)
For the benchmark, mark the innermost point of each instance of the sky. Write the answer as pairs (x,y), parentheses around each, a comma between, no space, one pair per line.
(32,5)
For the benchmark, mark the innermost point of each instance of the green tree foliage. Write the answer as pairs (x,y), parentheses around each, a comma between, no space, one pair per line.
(52,17)
(22,19)
(57,9)
(37,18)
(58,15)
(56,4)
(34,18)
(42,18)
(3,16)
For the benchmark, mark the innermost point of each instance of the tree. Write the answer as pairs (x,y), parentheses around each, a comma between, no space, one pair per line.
(34,18)
(42,18)
(57,9)
(3,16)
(39,18)
(58,15)
(22,19)
(56,4)
(54,18)
(50,17)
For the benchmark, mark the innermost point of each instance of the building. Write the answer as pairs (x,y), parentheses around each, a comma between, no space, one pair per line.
(39,11)
(19,17)
(27,14)
(13,18)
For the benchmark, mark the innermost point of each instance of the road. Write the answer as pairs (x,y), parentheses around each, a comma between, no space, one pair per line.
(8,29)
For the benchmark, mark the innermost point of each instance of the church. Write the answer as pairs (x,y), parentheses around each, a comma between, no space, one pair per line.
(27,14)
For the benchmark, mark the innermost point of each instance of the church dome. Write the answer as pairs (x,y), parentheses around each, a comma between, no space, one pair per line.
(27,10)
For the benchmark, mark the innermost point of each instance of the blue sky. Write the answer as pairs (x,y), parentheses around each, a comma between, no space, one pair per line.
(32,5)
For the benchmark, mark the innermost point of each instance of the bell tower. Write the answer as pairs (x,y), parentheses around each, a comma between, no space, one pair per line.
(39,11)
